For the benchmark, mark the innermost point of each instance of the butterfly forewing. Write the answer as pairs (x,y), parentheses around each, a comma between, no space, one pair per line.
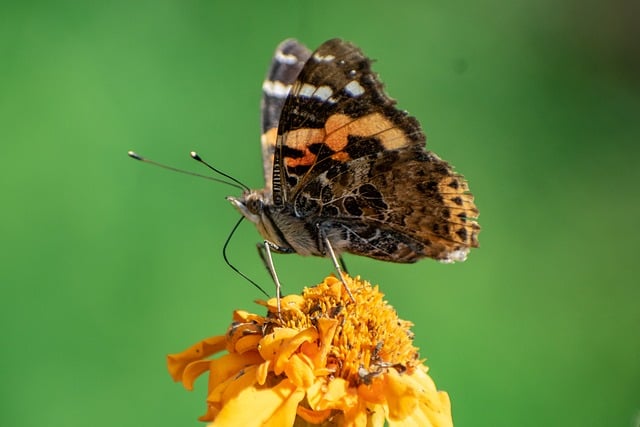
(337,111)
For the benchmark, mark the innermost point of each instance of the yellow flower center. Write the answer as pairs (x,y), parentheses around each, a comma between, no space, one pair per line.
(369,339)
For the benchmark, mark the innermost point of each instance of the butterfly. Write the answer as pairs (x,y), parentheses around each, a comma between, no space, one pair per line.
(346,171)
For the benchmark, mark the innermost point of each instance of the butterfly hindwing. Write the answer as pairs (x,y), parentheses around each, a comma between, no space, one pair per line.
(398,206)
(288,59)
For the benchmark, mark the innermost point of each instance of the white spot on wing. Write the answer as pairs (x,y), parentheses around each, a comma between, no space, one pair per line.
(285,58)
(354,88)
(323,93)
(276,88)
(307,90)
(323,58)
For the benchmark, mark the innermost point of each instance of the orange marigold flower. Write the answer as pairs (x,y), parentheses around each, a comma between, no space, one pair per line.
(325,360)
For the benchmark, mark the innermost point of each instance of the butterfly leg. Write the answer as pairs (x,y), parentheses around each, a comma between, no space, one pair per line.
(263,256)
(336,262)
(264,249)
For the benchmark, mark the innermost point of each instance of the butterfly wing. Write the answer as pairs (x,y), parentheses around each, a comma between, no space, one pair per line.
(336,112)
(398,205)
(349,161)
(288,59)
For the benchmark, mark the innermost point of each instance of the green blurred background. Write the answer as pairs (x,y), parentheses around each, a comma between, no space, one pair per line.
(109,264)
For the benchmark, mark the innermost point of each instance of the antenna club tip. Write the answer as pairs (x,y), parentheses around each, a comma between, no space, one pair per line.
(195,156)
(134,155)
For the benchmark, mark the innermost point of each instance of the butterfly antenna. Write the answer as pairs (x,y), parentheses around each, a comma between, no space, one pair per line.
(195,156)
(226,259)
(137,156)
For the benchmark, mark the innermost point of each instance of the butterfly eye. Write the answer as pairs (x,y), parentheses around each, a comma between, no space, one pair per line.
(254,205)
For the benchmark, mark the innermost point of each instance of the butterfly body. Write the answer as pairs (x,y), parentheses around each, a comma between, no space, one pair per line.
(346,171)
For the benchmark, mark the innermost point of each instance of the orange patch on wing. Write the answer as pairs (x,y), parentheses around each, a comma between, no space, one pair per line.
(300,139)
(269,138)
(340,126)
(336,136)
(393,138)
(268,143)
(341,156)
(307,160)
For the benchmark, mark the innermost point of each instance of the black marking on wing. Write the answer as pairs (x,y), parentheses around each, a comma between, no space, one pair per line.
(288,60)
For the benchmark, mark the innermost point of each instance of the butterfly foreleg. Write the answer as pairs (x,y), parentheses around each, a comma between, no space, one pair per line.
(338,262)
(264,249)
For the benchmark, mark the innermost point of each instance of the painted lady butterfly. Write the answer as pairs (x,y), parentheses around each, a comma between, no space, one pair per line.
(346,171)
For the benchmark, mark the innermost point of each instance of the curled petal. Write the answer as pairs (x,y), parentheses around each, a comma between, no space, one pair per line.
(205,348)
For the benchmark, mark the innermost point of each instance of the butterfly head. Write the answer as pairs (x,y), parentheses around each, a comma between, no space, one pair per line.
(255,206)
(250,205)
(273,223)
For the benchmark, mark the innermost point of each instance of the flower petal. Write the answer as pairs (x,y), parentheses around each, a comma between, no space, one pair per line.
(401,398)
(313,417)
(327,330)
(282,343)
(270,345)
(262,372)
(356,417)
(230,365)
(259,406)
(374,392)
(193,371)
(243,316)
(300,371)
(315,393)
(179,361)
(332,394)
(246,343)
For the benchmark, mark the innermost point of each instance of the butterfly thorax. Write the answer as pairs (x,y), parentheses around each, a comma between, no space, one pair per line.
(277,224)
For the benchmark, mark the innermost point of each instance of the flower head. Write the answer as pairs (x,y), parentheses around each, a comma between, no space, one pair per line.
(324,360)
